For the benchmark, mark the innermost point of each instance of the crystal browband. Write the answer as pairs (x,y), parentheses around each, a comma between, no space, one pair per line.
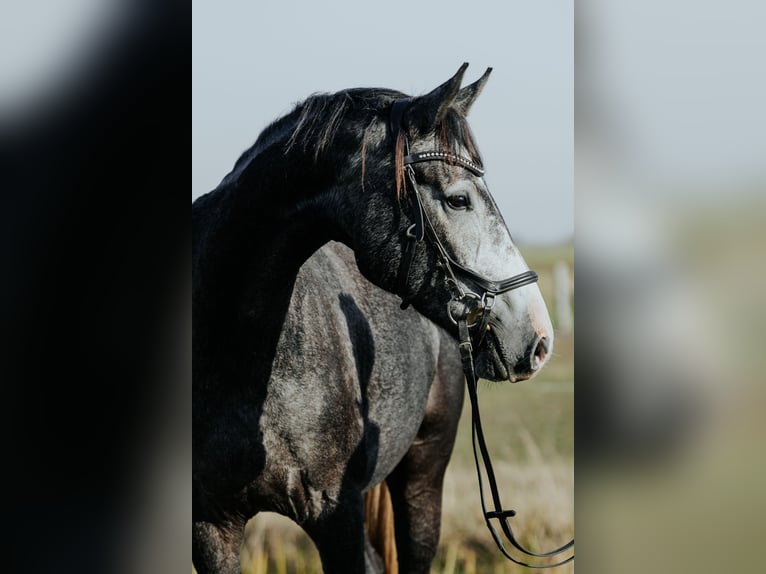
(443,156)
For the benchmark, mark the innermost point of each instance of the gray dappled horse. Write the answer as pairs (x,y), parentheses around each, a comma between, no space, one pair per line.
(310,388)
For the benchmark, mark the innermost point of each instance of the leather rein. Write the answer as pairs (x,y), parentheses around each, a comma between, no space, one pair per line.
(471,313)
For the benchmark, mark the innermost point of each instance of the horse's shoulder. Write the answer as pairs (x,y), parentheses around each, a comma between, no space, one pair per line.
(328,275)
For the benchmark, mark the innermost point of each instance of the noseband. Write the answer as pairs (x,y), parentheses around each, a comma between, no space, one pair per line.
(471,313)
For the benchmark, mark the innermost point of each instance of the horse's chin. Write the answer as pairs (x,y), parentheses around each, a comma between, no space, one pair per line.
(492,363)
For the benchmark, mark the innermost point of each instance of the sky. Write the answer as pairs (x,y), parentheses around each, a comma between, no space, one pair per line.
(251,62)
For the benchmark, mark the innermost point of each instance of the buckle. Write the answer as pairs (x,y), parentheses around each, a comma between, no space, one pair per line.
(474,315)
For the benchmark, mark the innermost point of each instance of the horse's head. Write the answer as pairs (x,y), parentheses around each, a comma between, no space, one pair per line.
(466,246)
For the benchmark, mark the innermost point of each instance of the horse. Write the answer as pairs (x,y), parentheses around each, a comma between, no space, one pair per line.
(307,393)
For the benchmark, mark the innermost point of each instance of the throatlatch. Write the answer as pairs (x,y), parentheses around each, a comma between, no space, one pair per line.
(471,313)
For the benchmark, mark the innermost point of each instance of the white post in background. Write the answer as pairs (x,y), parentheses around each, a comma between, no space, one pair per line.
(563,286)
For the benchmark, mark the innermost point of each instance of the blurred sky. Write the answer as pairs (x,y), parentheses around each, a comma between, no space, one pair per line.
(675,91)
(252,61)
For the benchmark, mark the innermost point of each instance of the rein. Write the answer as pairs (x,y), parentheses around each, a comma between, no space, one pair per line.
(471,313)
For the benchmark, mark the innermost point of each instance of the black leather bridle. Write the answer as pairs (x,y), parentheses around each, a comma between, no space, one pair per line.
(471,313)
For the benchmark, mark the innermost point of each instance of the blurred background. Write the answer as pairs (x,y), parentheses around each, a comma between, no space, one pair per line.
(670,143)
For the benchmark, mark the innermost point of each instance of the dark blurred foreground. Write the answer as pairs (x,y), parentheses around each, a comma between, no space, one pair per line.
(94,288)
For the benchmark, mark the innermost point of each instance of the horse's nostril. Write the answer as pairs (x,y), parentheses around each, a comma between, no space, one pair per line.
(540,353)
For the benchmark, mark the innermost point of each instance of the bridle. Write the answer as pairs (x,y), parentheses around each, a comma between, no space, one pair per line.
(422,228)
(471,313)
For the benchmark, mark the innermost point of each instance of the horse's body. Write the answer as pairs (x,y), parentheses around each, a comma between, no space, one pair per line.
(355,380)
(362,387)
(310,388)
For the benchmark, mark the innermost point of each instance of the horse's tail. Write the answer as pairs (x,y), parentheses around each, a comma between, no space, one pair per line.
(379,519)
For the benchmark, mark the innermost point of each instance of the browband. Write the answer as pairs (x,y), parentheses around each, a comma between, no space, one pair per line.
(471,166)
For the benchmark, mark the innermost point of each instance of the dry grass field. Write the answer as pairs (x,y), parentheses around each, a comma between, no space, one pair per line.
(529,429)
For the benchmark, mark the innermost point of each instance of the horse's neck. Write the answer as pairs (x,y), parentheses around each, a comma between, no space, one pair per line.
(251,236)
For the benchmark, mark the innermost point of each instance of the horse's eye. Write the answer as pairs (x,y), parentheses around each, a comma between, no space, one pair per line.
(458,201)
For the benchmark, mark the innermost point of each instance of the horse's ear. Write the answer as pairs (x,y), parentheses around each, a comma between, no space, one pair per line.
(466,96)
(429,110)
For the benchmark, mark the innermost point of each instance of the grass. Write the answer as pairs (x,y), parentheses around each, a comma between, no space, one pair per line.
(529,431)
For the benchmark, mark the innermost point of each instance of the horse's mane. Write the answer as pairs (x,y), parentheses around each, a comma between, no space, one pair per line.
(318,117)
(311,126)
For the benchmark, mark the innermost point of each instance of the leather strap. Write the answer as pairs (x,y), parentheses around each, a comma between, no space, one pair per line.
(488,285)
(416,231)
(403,279)
(480,448)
